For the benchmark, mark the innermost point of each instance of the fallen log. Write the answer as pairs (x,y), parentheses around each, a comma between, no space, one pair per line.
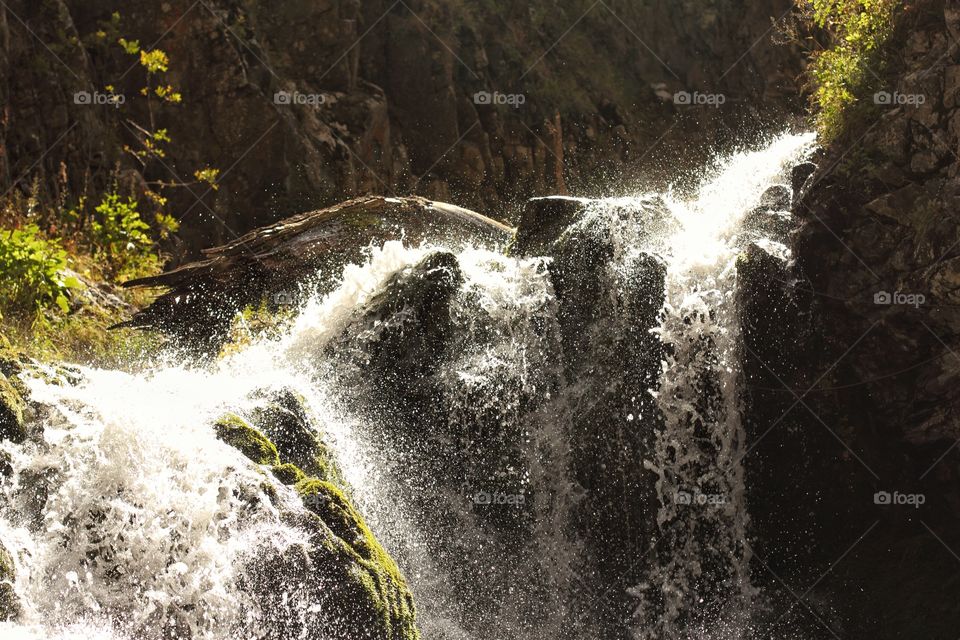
(202,297)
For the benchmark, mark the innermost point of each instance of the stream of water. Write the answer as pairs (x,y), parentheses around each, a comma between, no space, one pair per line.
(132,520)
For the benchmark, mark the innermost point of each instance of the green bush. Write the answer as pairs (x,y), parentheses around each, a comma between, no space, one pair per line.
(32,270)
(847,73)
(119,233)
(118,228)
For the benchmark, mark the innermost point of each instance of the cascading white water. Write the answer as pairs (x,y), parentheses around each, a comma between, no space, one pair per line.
(697,456)
(130,461)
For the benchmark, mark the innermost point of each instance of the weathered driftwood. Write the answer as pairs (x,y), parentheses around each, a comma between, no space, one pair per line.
(268,263)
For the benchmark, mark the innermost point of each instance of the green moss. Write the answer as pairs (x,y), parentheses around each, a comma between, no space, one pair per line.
(238,434)
(288,473)
(286,420)
(12,426)
(386,599)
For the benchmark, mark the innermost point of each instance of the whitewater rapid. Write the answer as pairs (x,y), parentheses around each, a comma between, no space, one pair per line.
(129,459)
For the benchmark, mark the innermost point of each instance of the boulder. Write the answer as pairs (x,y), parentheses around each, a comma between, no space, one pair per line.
(285,419)
(346,584)
(799,176)
(401,333)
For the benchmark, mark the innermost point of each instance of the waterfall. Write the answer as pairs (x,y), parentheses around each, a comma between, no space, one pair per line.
(703,571)
(480,407)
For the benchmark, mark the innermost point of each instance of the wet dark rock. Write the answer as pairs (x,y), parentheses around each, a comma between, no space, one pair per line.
(850,361)
(771,219)
(347,585)
(543,221)
(287,422)
(607,306)
(546,222)
(769,224)
(778,197)
(799,176)
(403,330)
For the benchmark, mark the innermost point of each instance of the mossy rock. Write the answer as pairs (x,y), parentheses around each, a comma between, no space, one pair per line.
(12,426)
(9,602)
(379,601)
(233,430)
(344,568)
(286,420)
(288,473)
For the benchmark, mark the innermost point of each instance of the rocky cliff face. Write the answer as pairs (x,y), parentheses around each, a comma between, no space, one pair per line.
(312,102)
(852,360)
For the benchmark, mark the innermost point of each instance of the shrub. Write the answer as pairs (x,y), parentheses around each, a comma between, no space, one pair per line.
(118,227)
(847,71)
(32,270)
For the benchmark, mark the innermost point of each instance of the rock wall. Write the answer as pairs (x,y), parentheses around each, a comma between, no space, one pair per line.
(383,98)
(852,362)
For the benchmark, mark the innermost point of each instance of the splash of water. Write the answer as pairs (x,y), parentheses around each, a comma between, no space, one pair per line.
(703,517)
(131,518)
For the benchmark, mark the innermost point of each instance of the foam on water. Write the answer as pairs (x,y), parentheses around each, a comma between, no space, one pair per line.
(698,453)
(131,474)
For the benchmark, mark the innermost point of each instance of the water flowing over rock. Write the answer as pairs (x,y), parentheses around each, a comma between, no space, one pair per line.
(272,263)
(536,441)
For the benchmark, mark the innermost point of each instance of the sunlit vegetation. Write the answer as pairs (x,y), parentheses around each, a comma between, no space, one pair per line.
(848,72)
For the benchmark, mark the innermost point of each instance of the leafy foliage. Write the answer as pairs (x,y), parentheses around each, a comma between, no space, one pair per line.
(32,270)
(118,229)
(848,71)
